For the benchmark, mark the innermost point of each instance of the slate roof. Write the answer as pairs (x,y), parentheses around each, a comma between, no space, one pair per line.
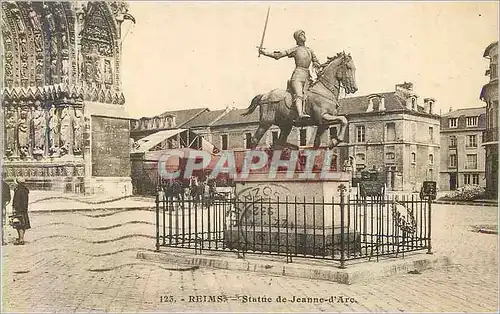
(185,115)
(235,117)
(467,112)
(359,104)
(204,118)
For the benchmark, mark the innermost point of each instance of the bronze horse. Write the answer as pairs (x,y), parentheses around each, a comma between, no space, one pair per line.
(321,103)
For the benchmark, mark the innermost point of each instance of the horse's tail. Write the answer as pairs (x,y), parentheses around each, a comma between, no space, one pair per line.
(253,105)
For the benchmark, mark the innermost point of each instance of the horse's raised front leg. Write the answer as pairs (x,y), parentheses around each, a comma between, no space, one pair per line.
(343,125)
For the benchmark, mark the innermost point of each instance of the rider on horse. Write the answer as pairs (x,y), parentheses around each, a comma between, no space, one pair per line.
(300,78)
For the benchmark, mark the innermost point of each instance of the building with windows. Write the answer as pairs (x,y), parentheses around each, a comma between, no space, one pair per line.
(462,157)
(489,94)
(394,133)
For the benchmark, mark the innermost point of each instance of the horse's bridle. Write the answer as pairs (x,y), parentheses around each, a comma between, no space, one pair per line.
(330,86)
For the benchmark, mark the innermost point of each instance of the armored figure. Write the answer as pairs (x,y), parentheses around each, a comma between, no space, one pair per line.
(39,128)
(301,76)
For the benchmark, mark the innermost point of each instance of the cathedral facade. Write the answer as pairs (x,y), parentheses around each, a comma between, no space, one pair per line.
(64,124)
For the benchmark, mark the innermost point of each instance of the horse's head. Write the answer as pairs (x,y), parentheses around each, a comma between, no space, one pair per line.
(341,67)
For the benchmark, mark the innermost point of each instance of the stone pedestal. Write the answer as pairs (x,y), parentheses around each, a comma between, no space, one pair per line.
(306,212)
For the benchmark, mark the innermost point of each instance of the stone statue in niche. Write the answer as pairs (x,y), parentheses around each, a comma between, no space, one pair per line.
(10,131)
(53,71)
(50,18)
(38,43)
(35,20)
(24,47)
(60,16)
(97,71)
(53,132)
(39,66)
(65,71)
(108,73)
(78,131)
(64,41)
(23,134)
(65,130)
(39,129)
(18,20)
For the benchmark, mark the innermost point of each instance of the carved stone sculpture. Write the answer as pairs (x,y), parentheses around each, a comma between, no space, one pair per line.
(65,130)
(35,21)
(53,132)
(78,131)
(23,134)
(39,129)
(10,131)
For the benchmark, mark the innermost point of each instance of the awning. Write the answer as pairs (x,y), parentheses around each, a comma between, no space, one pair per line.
(148,142)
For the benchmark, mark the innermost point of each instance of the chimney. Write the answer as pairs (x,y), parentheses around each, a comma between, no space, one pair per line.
(404,90)
(429,105)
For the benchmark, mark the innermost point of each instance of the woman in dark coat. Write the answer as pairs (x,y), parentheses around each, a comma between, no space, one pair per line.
(20,209)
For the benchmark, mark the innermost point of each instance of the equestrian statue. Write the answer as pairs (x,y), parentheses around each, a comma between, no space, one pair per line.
(305,102)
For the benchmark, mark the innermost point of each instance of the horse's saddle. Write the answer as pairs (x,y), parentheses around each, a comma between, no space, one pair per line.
(278,94)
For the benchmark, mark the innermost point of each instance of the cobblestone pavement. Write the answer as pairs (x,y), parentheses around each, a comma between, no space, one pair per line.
(85,262)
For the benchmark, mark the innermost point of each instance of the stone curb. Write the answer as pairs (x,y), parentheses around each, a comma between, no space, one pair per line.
(466,203)
(363,272)
(66,210)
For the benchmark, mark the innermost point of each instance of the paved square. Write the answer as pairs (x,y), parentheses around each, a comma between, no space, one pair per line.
(85,262)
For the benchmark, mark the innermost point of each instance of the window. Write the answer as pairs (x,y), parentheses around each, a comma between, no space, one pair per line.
(471,141)
(475,179)
(413,103)
(390,156)
(471,121)
(413,158)
(333,132)
(200,141)
(224,141)
(453,141)
(360,133)
(431,159)
(471,161)
(391,131)
(360,158)
(303,137)
(453,122)
(248,140)
(275,135)
(467,179)
(453,161)
(431,134)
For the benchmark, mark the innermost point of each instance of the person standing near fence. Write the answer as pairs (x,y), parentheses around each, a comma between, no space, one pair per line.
(20,210)
(5,202)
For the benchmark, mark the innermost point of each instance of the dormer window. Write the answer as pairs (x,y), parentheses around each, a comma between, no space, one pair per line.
(413,103)
(453,122)
(471,122)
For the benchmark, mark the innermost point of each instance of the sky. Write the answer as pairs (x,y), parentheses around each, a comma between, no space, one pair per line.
(182,55)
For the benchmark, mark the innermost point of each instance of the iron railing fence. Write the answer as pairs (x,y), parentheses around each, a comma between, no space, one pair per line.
(342,230)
